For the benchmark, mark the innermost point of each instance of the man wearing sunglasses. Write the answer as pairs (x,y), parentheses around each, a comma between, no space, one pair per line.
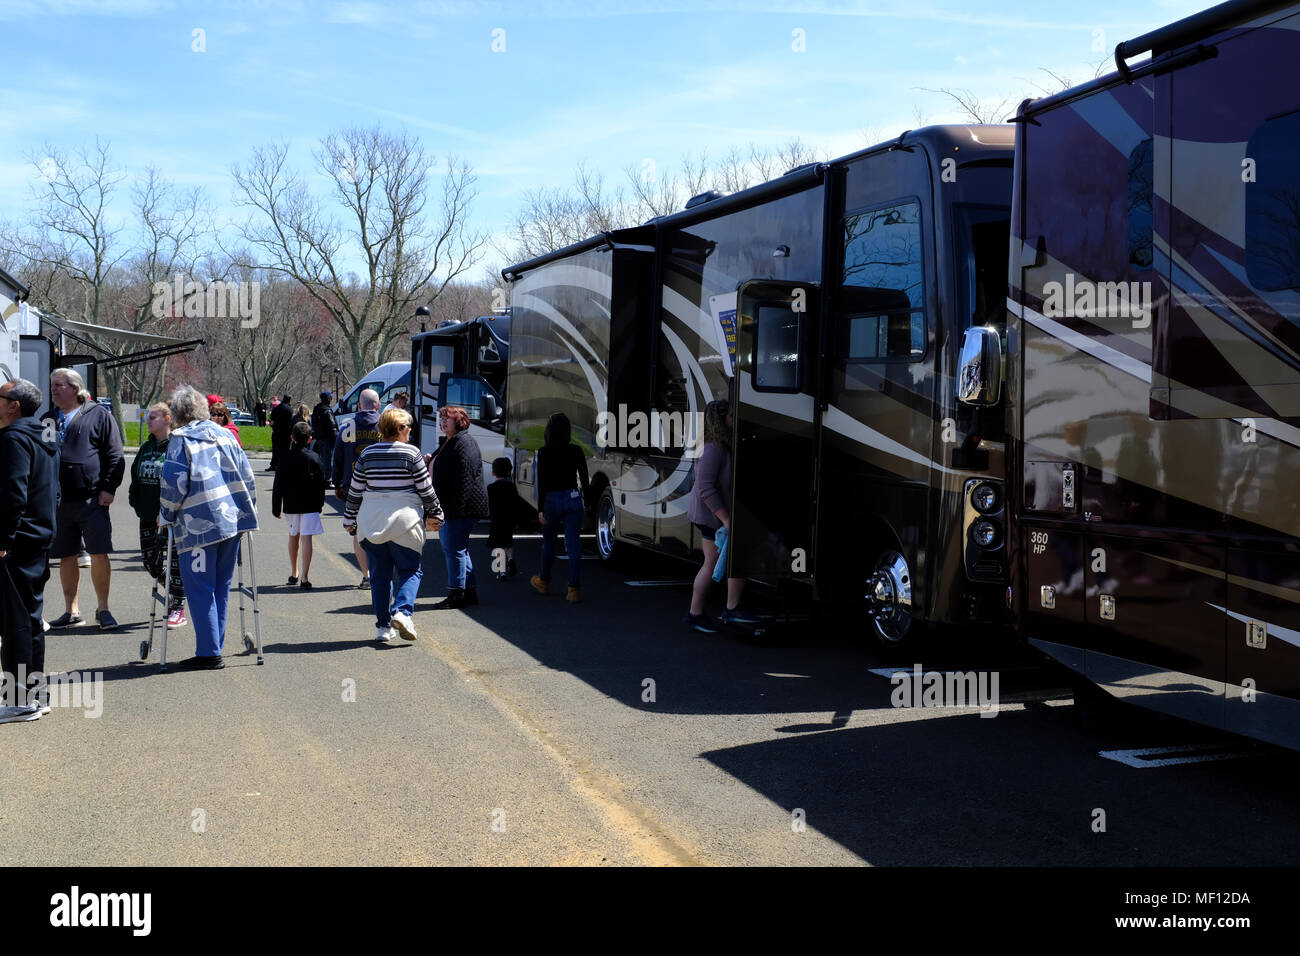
(29,482)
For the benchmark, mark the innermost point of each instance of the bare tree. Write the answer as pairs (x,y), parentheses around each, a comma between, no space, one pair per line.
(381,183)
(972,108)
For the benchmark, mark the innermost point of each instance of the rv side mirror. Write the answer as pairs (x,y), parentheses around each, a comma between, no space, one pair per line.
(489,408)
(979,371)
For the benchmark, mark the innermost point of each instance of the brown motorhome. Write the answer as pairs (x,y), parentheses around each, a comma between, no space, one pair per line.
(846,288)
(1153,373)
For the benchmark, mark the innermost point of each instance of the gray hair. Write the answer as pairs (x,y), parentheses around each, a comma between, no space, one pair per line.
(27,395)
(369,398)
(73,378)
(189,405)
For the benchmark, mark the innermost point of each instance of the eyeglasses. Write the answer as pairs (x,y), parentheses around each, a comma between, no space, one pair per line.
(9,398)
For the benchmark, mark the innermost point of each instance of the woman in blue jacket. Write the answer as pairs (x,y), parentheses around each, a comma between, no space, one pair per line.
(209,498)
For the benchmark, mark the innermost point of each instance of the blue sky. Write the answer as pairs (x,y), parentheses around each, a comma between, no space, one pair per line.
(611,85)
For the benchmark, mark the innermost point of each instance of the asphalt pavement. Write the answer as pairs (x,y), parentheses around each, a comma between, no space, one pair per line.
(531,731)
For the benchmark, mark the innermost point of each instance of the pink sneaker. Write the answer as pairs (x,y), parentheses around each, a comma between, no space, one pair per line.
(176,619)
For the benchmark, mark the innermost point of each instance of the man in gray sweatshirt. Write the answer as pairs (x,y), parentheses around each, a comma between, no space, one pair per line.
(91,466)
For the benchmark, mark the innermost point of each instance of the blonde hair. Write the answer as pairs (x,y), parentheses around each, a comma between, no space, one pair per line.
(73,378)
(391,421)
(159,407)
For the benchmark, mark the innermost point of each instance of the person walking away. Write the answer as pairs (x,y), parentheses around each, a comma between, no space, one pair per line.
(299,489)
(391,504)
(143,494)
(363,433)
(221,415)
(709,508)
(458,480)
(507,510)
(281,422)
(259,413)
(91,467)
(29,488)
(561,471)
(325,430)
(209,498)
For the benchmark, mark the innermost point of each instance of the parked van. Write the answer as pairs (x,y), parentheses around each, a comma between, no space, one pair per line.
(387,379)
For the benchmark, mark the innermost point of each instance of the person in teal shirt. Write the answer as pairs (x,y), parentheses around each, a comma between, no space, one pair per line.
(144,494)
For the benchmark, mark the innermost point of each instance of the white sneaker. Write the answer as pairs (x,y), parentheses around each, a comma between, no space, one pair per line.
(404,626)
(12,715)
(384,634)
(43,708)
(83,560)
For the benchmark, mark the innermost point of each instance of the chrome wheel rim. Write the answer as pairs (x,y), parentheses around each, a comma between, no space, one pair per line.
(889,597)
(605,526)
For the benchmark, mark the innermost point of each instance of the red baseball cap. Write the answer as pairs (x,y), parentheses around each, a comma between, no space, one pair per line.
(213,399)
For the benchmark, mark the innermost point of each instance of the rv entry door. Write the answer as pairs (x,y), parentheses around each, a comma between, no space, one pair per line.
(774,432)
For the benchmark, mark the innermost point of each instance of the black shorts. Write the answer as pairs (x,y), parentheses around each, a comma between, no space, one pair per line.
(82,521)
(706,533)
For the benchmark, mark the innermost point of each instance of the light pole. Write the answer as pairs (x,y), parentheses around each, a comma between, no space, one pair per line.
(337,373)
(422,313)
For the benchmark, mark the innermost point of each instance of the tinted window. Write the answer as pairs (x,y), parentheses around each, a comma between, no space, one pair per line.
(777,364)
(881,296)
(1141,180)
(1273,206)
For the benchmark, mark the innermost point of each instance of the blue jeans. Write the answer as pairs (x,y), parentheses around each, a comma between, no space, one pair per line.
(392,566)
(207,573)
(454,538)
(563,509)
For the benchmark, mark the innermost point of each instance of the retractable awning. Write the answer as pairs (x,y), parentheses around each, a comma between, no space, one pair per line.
(150,346)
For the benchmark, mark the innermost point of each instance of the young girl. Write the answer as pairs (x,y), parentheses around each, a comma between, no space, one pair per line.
(710,509)
(143,494)
(299,488)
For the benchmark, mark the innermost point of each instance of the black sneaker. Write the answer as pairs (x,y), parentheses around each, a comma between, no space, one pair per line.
(364,585)
(293,581)
(511,568)
(305,584)
(471,596)
(700,622)
(202,663)
(66,620)
(734,615)
(106,620)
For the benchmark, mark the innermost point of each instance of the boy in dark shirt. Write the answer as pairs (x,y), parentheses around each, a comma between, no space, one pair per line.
(507,511)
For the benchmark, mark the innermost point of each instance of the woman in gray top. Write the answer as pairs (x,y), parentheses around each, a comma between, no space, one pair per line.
(709,510)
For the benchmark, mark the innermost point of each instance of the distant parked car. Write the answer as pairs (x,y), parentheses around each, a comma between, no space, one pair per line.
(105,401)
(241,418)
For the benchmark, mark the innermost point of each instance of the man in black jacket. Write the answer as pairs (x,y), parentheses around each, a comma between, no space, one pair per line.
(29,488)
(324,430)
(91,466)
(281,423)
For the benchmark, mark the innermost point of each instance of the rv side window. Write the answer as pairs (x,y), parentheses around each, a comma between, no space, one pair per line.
(438,359)
(1273,205)
(881,297)
(1141,188)
(776,366)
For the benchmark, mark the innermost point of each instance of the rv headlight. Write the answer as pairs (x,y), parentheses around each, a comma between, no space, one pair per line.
(984,533)
(985,498)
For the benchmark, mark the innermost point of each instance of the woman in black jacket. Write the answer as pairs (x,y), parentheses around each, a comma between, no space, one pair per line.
(299,489)
(562,489)
(458,482)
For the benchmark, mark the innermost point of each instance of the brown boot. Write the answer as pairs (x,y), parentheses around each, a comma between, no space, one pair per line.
(572,597)
(540,584)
